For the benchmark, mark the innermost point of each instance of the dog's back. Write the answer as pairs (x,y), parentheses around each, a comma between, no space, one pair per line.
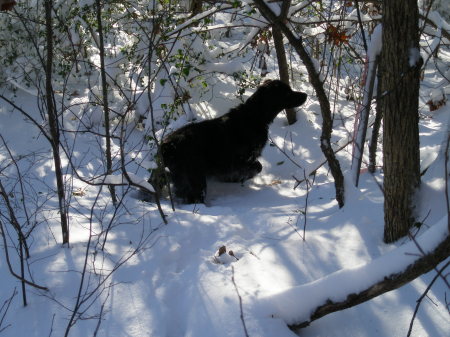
(218,143)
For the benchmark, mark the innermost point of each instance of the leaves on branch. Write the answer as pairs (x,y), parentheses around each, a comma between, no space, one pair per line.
(336,35)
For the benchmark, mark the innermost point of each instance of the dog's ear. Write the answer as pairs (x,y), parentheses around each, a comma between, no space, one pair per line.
(259,94)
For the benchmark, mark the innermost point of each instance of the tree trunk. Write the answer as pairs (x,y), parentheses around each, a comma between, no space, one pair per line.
(53,122)
(283,68)
(375,130)
(400,69)
(364,112)
(196,7)
(111,188)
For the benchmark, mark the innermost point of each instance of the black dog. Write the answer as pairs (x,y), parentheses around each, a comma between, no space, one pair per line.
(226,147)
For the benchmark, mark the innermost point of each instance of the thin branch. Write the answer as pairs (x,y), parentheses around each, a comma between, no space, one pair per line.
(5,308)
(3,234)
(83,273)
(361,25)
(105,98)
(390,282)
(240,302)
(424,294)
(446,180)
(13,219)
(28,116)
(131,183)
(309,185)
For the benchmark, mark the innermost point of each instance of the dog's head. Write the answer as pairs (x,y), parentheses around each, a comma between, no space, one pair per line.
(273,96)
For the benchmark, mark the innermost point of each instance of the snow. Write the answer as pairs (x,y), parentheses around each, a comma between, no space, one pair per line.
(225,67)
(175,286)
(437,19)
(338,285)
(437,95)
(414,57)
(193,19)
(119,179)
(296,7)
(374,48)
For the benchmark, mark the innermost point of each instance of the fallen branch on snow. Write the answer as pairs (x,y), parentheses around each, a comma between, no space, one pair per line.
(299,306)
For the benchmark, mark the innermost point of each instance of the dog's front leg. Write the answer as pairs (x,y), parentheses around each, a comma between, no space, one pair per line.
(190,185)
(250,170)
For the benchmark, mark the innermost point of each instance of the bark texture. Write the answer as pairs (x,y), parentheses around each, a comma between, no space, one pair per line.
(196,7)
(283,67)
(400,70)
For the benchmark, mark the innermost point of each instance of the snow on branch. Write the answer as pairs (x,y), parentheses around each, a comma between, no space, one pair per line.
(124,179)
(197,18)
(301,305)
(239,46)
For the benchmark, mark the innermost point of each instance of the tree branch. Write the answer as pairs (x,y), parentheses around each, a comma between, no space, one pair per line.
(316,82)
(391,282)
(8,262)
(299,306)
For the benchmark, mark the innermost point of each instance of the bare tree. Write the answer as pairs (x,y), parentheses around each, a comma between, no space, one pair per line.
(98,6)
(283,68)
(317,83)
(53,122)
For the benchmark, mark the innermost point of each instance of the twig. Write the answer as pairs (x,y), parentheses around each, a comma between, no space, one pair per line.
(308,188)
(5,307)
(419,301)
(100,317)
(284,152)
(104,84)
(8,262)
(29,117)
(51,326)
(240,302)
(13,220)
(446,181)
(21,183)
(131,183)
(78,302)
(313,171)
(361,25)
(86,294)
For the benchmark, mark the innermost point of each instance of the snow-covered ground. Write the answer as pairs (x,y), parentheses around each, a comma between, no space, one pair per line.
(175,285)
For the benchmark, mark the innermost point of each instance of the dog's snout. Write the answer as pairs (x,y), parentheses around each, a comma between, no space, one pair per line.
(300,97)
